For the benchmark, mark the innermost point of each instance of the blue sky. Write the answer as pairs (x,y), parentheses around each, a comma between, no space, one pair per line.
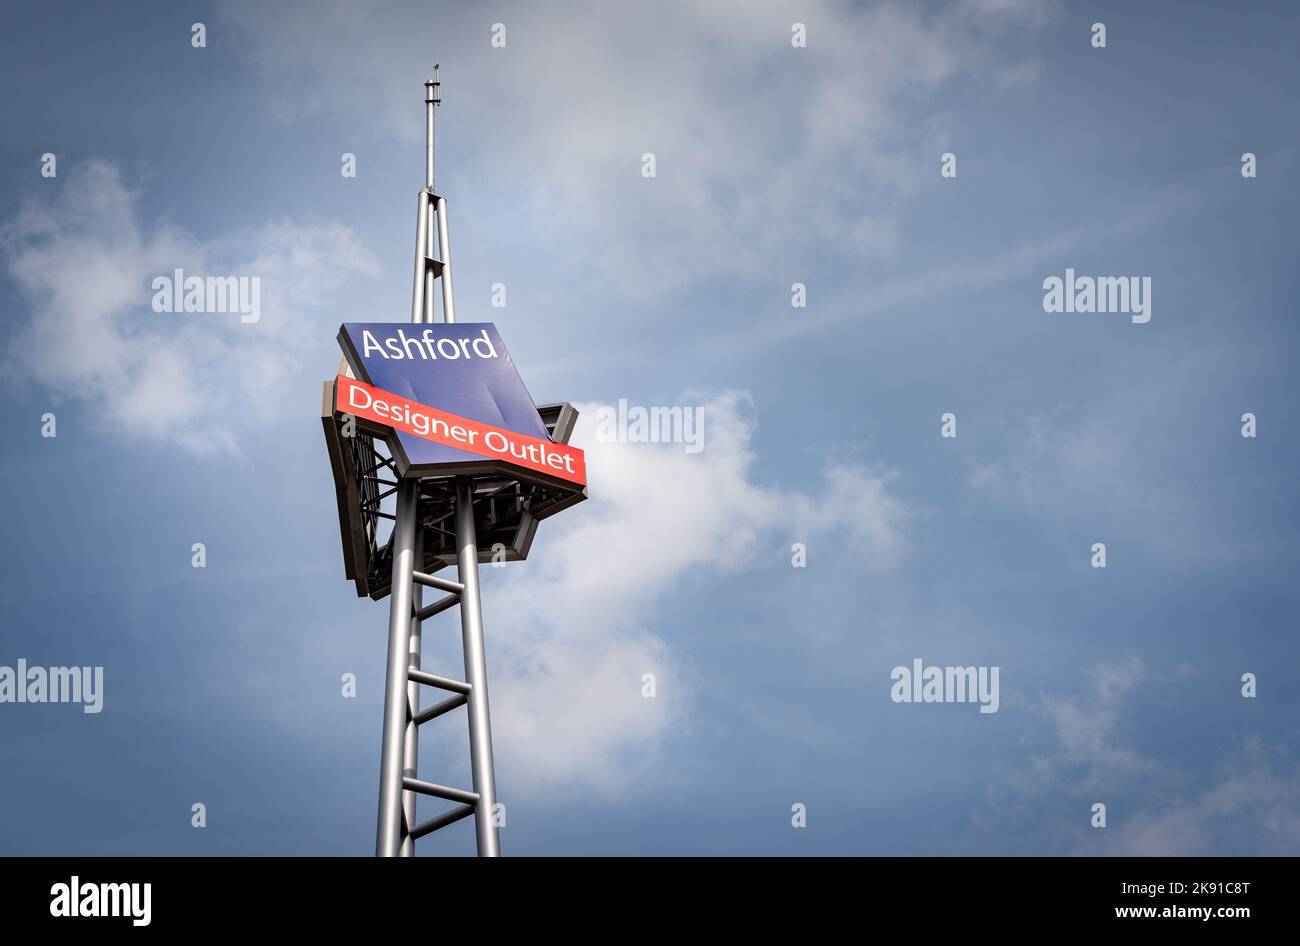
(774,165)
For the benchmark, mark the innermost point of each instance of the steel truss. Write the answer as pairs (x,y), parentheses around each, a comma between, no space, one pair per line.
(437,522)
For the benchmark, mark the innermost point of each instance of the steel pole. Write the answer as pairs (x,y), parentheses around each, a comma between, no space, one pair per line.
(429,276)
(471,625)
(411,742)
(431,99)
(420,290)
(430,103)
(389,837)
(444,253)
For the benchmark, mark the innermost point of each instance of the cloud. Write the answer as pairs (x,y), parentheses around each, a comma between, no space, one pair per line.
(83,261)
(1088,731)
(1021,9)
(567,678)
(748,131)
(1247,801)
(1252,809)
(1130,463)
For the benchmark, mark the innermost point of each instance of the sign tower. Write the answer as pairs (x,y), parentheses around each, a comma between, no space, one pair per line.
(432,430)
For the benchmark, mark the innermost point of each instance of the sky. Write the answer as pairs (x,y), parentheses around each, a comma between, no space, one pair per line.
(782,156)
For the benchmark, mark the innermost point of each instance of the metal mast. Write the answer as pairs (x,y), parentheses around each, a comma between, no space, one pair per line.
(398,783)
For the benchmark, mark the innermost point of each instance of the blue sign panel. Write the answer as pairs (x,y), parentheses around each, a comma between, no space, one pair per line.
(462,368)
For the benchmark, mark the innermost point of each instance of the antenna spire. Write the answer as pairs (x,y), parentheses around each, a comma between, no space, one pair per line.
(432,99)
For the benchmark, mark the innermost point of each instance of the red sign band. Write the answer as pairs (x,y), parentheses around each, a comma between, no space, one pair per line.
(483,440)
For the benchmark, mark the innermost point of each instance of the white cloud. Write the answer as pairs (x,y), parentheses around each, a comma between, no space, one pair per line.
(1248,800)
(1088,731)
(567,677)
(1253,809)
(749,132)
(1126,464)
(84,260)
(1021,9)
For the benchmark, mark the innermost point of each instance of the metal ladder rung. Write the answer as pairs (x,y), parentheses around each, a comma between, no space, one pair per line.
(442,604)
(439,791)
(442,584)
(446,706)
(433,680)
(433,824)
